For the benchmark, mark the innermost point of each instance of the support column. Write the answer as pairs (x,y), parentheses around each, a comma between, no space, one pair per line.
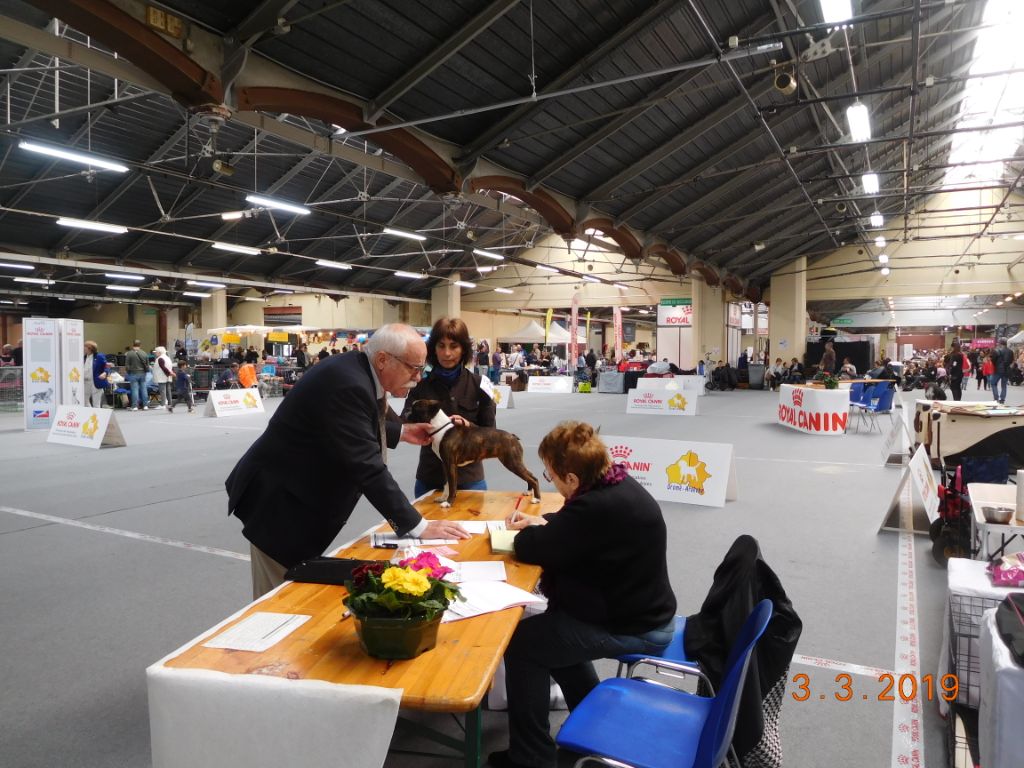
(787,318)
(446,300)
(215,310)
(708,321)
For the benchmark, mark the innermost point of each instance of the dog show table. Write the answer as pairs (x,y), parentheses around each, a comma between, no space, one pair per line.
(814,410)
(950,430)
(320,667)
(992,495)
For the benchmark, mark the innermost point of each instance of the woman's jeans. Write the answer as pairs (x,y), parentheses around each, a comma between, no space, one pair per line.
(421,487)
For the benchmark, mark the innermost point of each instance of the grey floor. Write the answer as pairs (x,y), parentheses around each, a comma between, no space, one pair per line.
(83,612)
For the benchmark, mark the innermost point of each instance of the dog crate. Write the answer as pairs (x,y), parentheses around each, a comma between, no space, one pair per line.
(12,393)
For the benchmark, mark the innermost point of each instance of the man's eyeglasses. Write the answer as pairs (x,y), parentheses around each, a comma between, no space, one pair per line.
(548,477)
(416,369)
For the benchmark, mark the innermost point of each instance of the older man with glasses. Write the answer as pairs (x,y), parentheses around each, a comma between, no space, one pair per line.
(335,423)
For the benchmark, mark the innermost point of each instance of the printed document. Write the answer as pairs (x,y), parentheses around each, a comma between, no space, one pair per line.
(258,632)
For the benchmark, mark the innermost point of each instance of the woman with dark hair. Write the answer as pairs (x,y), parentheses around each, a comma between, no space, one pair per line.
(604,556)
(449,350)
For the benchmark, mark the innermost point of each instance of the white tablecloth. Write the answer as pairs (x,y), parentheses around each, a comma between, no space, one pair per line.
(1000,737)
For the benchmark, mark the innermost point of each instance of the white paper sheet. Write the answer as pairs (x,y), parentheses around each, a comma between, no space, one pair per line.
(486,597)
(258,632)
(477,570)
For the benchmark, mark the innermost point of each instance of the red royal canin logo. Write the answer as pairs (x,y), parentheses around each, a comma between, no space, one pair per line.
(798,397)
(620,452)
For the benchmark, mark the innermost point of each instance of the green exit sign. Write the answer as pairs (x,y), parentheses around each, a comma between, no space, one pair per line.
(676,302)
(843,321)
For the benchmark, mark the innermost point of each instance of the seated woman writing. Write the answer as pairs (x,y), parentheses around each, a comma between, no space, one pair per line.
(606,580)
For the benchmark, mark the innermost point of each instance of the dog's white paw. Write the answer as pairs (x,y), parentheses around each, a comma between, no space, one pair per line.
(535,500)
(445,505)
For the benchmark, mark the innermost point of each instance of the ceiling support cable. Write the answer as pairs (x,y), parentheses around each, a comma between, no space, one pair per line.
(760,118)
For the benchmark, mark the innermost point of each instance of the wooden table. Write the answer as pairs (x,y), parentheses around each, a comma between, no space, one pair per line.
(454,677)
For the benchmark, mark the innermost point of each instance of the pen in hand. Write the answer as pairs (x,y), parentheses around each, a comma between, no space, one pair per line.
(515,512)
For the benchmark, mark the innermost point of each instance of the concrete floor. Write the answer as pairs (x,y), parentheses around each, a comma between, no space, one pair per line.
(84,611)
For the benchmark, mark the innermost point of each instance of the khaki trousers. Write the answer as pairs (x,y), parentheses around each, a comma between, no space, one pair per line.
(267,573)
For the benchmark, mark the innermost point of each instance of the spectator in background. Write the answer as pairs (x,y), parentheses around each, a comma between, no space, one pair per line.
(848,369)
(483,359)
(301,360)
(1002,359)
(957,366)
(136,365)
(183,387)
(335,351)
(94,371)
(228,378)
(180,353)
(7,355)
(795,372)
(988,367)
(591,359)
(17,353)
(251,355)
(323,354)
(163,375)
(776,374)
(497,363)
(828,359)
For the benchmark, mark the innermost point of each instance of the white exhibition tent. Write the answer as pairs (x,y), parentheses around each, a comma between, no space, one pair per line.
(533,333)
(1016,339)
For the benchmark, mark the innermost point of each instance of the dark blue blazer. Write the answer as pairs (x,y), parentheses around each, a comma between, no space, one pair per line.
(99,365)
(296,486)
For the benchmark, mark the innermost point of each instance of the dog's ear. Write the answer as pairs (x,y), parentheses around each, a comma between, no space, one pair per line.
(598,430)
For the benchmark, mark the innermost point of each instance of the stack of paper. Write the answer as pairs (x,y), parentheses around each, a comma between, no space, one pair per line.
(392,541)
(486,597)
(258,632)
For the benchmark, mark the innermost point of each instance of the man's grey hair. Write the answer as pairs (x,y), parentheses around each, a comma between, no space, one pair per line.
(160,350)
(1003,341)
(393,338)
(136,343)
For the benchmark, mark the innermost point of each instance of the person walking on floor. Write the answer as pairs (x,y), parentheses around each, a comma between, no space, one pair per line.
(1002,359)
(987,369)
(163,376)
(335,423)
(136,365)
(957,366)
(183,387)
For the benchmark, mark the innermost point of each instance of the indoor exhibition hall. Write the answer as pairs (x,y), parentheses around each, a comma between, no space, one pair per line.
(511,383)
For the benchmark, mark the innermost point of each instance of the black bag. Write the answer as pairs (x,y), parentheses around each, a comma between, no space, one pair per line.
(325,570)
(1010,623)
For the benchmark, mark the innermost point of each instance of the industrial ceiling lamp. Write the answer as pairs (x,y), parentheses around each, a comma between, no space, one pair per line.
(836,11)
(98,226)
(859,121)
(883,258)
(402,233)
(870,183)
(75,157)
(877,220)
(279,205)
(885,271)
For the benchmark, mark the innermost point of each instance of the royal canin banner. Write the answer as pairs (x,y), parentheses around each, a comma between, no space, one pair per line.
(814,411)
(617,326)
(574,322)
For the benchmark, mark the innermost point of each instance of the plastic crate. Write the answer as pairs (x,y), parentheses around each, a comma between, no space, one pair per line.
(965,612)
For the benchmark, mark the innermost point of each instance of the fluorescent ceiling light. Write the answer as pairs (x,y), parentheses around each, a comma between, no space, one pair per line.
(6,301)
(333,264)
(75,157)
(999,303)
(280,205)
(338,130)
(196,294)
(836,11)
(99,226)
(503,290)
(1017,295)
(9,265)
(237,248)
(546,268)
(621,286)
(885,271)
(283,290)
(590,279)
(870,183)
(859,122)
(488,254)
(877,219)
(1008,298)
(124,288)
(642,311)
(34,280)
(880,241)
(411,275)
(254,298)
(205,284)
(1018,237)
(232,215)
(883,258)
(123,276)
(485,269)
(403,233)
(65,298)
(464,284)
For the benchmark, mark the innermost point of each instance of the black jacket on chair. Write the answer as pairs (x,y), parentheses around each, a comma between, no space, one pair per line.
(296,486)
(741,581)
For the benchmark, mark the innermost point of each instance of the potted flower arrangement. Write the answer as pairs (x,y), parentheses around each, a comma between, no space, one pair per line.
(397,608)
(829,381)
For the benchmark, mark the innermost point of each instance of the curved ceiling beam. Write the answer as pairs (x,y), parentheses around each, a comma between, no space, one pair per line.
(623,237)
(753,293)
(707,272)
(733,283)
(187,81)
(670,256)
(403,144)
(552,211)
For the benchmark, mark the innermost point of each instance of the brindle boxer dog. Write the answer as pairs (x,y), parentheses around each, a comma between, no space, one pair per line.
(456,446)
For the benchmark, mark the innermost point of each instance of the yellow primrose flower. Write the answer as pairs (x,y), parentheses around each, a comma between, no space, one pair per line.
(405,580)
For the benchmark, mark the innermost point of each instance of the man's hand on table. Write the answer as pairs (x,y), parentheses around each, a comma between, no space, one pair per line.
(444,529)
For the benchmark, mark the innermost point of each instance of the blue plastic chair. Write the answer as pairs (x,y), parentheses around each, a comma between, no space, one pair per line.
(882,405)
(675,651)
(856,390)
(650,725)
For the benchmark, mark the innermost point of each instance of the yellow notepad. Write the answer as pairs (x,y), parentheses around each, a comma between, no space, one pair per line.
(502,541)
